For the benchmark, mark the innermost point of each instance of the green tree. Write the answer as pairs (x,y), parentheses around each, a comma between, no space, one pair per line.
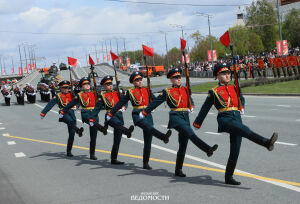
(239,38)
(202,45)
(255,44)
(291,27)
(174,56)
(261,17)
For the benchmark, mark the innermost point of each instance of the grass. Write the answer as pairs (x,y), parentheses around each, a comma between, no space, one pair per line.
(292,87)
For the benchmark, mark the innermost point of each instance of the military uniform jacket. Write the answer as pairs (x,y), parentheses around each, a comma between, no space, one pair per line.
(176,98)
(62,100)
(224,98)
(139,98)
(87,102)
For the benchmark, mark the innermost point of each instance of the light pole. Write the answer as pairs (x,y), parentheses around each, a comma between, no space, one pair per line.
(211,48)
(279,25)
(165,33)
(20,59)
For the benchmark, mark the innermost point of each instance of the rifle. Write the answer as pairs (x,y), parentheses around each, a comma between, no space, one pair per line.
(236,80)
(148,81)
(94,80)
(71,83)
(116,77)
(187,83)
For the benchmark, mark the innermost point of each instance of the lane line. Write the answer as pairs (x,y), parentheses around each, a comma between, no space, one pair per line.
(285,106)
(2,128)
(11,142)
(1,123)
(285,143)
(213,133)
(20,154)
(298,120)
(283,183)
(249,116)
(165,126)
(237,171)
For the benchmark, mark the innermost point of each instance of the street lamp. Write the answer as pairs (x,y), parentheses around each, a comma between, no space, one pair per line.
(178,26)
(211,48)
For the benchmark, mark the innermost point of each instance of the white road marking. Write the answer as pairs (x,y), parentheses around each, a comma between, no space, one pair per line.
(284,143)
(1,123)
(213,133)
(298,120)
(291,187)
(286,106)
(211,113)
(11,142)
(5,134)
(2,128)
(20,154)
(165,126)
(249,116)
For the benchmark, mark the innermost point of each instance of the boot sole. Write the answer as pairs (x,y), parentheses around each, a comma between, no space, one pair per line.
(273,140)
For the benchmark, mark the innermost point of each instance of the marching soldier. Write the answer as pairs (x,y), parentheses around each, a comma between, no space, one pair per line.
(224,98)
(6,92)
(109,99)
(176,98)
(139,97)
(30,93)
(19,95)
(87,100)
(62,99)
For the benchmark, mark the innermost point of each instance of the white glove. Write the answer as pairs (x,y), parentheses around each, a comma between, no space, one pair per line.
(108,117)
(242,112)
(153,111)
(60,115)
(123,109)
(91,124)
(191,110)
(42,117)
(141,115)
(194,128)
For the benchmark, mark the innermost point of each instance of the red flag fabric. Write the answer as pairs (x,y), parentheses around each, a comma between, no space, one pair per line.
(113,56)
(182,43)
(72,61)
(91,61)
(225,39)
(148,51)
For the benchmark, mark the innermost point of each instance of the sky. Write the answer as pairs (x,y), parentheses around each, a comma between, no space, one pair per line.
(60,28)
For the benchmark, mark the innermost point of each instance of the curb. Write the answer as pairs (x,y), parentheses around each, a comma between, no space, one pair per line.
(258,94)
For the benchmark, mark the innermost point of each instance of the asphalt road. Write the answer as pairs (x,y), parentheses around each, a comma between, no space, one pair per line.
(34,168)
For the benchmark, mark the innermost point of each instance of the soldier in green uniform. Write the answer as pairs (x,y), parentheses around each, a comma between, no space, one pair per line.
(139,97)
(177,99)
(224,98)
(87,100)
(109,99)
(62,99)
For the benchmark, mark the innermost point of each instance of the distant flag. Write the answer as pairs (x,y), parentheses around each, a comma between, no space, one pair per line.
(182,43)
(91,61)
(113,56)
(148,51)
(225,39)
(72,61)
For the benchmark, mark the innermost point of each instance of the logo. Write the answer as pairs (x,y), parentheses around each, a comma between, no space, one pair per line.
(153,196)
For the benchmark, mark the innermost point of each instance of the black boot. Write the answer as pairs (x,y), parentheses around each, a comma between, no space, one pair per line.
(229,173)
(129,131)
(203,146)
(124,130)
(114,155)
(77,130)
(179,164)
(69,149)
(268,143)
(92,152)
(146,158)
(161,136)
(101,128)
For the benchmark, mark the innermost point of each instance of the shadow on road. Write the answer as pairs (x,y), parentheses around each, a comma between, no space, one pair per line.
(132,169)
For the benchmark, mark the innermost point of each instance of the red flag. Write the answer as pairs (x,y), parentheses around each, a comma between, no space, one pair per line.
(113,56)
(72,61)
(225,39)
(182,43)
(148,51)
(91,61)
